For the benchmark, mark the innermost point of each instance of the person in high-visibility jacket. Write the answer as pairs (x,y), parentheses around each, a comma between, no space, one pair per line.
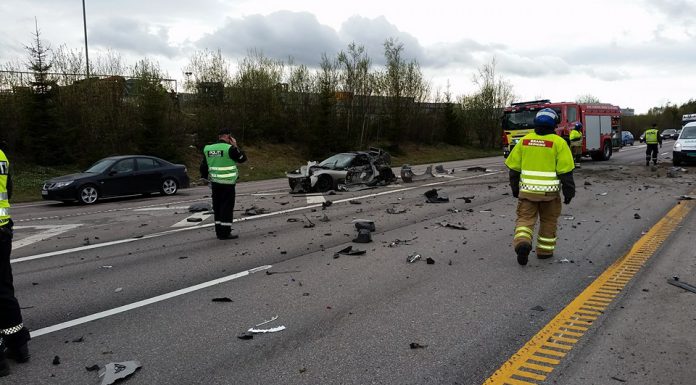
(652,138)
(541,166)
(13,335)
(219,166)
(576,142)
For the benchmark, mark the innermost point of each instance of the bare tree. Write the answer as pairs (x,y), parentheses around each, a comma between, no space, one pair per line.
(587,98)
(206,67)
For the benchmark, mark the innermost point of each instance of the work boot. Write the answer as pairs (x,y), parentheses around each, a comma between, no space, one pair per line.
(17,348)
(647,163)
(4,366)
(544,256)
(523,250)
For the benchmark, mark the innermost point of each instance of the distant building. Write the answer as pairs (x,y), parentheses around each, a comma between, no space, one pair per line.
(628,112)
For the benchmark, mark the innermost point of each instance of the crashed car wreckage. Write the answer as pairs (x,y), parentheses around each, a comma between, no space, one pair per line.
(367,168)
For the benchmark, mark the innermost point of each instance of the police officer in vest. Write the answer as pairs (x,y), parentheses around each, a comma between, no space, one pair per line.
(541,166)
(652,138)
(220,167)
(13,334)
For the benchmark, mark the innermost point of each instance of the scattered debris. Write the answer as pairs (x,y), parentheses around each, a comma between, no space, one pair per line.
(432,196)
(349,251)
(467,199)
(271,330)
(398,242)
(118,290)
(354,202)
(676,282)
(309,223)
(454,210)
(440,169)
(456,226)
(326,204)
(78,340)
(477,169)
(292,220)
(538,308)
(253,210)
(364,236)
(416,345)
(408,176)
(222,299)
(282,272)
(267,321)
(564,260)
(569,218)
(413,258)
(106,267)
(56,360)
(201,206)
(194,219)
(325,218)
(603,194)
(397,210)
(118,371)
(588,183)
(686,198)
(92,368)
(430,261)
(618,379)
(246,336)
(636,216)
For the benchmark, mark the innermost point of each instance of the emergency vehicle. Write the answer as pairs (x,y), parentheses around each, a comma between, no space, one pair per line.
(601,124)
(688,118)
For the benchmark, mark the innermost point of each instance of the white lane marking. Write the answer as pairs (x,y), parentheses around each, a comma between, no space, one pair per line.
(48,232)
(185,222)
(163,208)
(243,219)
(145,302)
(315,199)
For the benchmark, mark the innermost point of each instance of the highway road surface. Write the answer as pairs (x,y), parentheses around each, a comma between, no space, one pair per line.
(136,278)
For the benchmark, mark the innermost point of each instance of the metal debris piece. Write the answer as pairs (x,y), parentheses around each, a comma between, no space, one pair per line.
(326,204)
(56,360)
(564,260)
(92,368)
(408,176)
(354,202)
(676,282)
(364,236)
(636,216)
(413,258)
(246,336)
(201,206)
(432,196)
(416,345)
(365,224)
(222,299)
(440,169)
(115,371)
(396,210)
(430,261)
(398,242)
(348,251)
(456,226)
(538,308)
(253,210)
(271,330)
(194,219)
(477,169)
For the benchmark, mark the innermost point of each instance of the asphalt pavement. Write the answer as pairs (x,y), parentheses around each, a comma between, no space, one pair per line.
(134,279)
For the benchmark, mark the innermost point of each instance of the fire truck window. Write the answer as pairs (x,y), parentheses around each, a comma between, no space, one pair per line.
(572,114)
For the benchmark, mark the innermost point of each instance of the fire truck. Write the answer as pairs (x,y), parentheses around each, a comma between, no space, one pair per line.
(601,124)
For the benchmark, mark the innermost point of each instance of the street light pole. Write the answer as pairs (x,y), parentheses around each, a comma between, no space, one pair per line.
(84,21)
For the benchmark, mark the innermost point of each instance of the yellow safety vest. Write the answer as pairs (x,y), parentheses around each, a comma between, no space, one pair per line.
(4,195)
(221,168)
(651,136)
(540,159)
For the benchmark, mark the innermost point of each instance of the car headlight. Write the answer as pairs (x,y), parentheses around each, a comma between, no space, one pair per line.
(677,146)
(62,184)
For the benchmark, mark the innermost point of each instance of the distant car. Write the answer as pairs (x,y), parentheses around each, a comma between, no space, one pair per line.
(685,147)
(118,176)
(667,134)
(676,134)
(356,167)
(627,138)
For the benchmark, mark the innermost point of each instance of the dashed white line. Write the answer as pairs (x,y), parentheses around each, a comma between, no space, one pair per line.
(145,302)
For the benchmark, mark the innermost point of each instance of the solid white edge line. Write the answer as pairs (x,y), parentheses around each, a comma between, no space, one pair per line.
(243,219)
(145,302)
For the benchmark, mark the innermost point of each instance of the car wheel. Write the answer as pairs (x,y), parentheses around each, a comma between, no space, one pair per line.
(87,194)
(324,184)
(169,187)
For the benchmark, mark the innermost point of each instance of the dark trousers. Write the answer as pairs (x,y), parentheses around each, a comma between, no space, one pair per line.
(223,207)
(651,149)
(10,315)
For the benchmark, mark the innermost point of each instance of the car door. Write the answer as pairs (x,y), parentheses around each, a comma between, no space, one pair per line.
(119,178)
(148,175)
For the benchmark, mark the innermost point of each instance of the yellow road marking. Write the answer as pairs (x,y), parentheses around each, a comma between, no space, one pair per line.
(559,336)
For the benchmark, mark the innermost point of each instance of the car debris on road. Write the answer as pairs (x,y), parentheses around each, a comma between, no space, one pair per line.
(116,371)
(432,196)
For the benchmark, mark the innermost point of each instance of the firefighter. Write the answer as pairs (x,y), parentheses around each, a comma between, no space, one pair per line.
(576,142)
(219,166)
(652,138)
(541,166)
(13,335)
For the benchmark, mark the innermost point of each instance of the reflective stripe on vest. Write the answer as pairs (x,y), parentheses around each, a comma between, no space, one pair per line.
(4,212)
(651,136)
(3,196)
(539,182)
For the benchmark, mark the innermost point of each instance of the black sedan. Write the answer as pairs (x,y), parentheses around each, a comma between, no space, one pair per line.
(118,176)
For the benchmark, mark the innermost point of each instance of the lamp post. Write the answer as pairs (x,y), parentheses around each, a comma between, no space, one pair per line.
(84,23)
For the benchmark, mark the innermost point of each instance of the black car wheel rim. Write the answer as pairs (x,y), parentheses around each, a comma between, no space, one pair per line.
(169,186)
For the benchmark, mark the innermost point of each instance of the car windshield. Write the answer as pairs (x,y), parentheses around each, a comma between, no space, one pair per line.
(669,131)
(100,166)
(688,133)
(521,119)
(337,161)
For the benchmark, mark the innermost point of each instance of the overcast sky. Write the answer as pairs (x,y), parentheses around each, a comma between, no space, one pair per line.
(633,53)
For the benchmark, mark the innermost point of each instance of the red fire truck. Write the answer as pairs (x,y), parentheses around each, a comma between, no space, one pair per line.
(601,124)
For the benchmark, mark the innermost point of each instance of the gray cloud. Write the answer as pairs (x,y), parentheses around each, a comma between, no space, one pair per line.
(132,36)
(278,35)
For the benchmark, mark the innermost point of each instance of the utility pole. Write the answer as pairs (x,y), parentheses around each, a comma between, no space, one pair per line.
(84,21)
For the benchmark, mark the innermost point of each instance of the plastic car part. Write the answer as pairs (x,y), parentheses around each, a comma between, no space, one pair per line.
(408,176)
(116,371)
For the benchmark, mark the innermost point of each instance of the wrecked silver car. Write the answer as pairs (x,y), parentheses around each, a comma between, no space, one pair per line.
(369,168)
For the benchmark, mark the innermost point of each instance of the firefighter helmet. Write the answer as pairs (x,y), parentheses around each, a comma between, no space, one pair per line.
(546,118)
(578,126)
